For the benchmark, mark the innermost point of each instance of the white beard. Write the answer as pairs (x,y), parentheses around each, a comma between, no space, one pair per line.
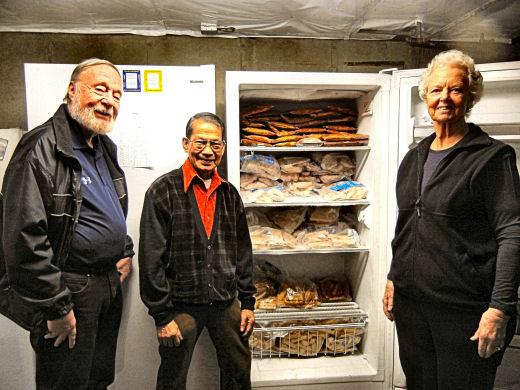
(86,117)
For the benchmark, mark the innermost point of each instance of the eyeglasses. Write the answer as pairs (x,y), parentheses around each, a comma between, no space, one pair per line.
(200,144)
(102,92)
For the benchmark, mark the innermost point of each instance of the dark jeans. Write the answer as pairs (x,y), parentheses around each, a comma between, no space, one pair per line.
(233,354)
(435,350)
(98,303)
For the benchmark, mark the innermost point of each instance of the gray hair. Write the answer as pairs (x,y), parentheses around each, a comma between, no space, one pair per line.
(82,66)
(206,117)
(458,58)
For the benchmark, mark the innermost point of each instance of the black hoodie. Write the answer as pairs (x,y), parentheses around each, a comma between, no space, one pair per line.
(458,243)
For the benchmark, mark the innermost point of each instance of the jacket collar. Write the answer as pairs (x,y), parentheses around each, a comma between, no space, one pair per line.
(189,174)
(64,125)
(475,137)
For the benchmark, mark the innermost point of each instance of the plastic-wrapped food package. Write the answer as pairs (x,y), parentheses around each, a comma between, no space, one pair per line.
(327,236)
(302,188)
(298,292)
(266,238)
(344,190)
(324,215)
(260,165)
(339,163)
(293,291)
(260,183)
(246,179)
(288,177)
(333,289)
(311,166)
(314,239)
(289,219)
(257,218)
(292,164)
(331,178)
(265,195)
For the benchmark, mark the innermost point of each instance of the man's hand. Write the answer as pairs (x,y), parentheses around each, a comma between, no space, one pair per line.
(169,334)
(247,321)
(124,267)
(62,328)
(491,332)
(388,300)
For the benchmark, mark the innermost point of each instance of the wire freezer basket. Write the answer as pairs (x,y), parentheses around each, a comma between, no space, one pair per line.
(329,329)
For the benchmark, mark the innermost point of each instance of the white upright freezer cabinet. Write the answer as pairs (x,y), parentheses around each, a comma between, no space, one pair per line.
(391,113)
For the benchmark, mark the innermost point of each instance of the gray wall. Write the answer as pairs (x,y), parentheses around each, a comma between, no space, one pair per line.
(226,53)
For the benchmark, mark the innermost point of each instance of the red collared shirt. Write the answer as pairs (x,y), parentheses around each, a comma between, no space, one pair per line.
(206,198)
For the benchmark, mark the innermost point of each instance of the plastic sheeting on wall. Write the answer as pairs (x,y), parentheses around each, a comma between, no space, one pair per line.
(420,20)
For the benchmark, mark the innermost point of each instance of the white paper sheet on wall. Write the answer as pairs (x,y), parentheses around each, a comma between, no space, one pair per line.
(130,135)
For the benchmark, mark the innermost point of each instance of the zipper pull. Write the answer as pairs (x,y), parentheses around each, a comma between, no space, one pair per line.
(418,206)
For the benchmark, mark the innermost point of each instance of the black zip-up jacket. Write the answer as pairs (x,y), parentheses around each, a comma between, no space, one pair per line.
(41,205)
(458,244)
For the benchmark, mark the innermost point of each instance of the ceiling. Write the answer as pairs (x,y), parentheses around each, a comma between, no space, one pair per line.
(412,20)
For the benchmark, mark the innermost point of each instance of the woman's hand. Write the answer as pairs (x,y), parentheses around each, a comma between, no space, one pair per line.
(388,300)
(491,332)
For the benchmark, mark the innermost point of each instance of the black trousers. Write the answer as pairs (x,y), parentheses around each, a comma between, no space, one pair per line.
(233,353)
(98,304)
(435,350)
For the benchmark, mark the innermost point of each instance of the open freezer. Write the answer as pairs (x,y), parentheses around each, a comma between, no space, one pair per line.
(331,345)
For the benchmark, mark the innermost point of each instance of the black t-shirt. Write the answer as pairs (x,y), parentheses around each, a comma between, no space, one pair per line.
(433,159)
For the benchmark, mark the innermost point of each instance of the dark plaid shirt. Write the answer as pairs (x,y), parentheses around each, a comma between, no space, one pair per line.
(177,260)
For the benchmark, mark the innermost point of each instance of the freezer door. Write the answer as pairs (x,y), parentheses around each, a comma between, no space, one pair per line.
(497,112)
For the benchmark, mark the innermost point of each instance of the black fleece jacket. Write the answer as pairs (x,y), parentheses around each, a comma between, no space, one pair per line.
(458,244)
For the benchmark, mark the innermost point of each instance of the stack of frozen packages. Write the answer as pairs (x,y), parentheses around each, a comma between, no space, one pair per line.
(302,334)
(306,337)
(290,291)
(320,123)
(266,179)
(276,288)
(259,179)
(304,228)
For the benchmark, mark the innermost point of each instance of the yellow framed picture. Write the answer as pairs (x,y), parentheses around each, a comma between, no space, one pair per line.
(153,81)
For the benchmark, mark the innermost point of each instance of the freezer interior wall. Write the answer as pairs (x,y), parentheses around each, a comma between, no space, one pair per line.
(368,272)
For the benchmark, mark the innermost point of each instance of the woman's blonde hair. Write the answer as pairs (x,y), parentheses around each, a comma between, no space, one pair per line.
(458,58)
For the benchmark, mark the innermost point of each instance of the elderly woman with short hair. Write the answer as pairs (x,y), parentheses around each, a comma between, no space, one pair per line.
(453,281)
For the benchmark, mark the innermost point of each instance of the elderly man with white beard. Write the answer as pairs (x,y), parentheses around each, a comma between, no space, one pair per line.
(64,236)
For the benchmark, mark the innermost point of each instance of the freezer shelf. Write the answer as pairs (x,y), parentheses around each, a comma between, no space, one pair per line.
(275,252)
(321,311)
(324,369)
(299,149)
(361,158)
(310,201)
